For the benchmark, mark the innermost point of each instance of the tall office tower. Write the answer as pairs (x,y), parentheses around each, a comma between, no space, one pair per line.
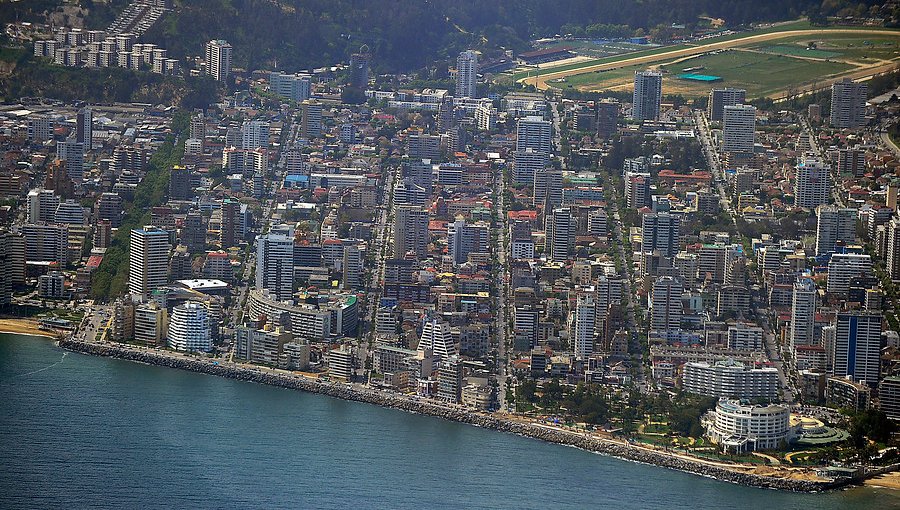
(892,250)
(84,128)
(12,264)
(527,164)
(803,312)
(72,153)
(255,134)
(42,204)
(148,267)
(607,118)
(534,133)
(411,231)
(720,98)
(421,146)
(560,234)
(218,59)
(311,119)
(464,238)
(352,267)
(834,224)
(584,325)
(466,74)
(848,104)
(647,95)
(189,328)
(844,267)
(275,264)
(359,68)
(661,231)
(666,308)
(811,183)
(739,128)
(230,229)
(857,347)
(436,336)
(548,186)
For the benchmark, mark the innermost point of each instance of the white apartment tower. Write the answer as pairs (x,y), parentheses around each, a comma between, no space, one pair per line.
(848,104)
(275,264)
(218,59)
(466,74)
(584,325)
(803,313)
(811,183)
(148,262)
(189,328)
(410,231)
(739,128)
(834,224)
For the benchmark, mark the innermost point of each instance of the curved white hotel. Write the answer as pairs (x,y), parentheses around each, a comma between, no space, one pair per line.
(741,427)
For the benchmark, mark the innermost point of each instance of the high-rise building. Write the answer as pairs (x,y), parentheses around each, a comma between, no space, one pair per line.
(647,95)
(607,118)
(848,104)
(255,134)
(352,267)
(666,309)
(189,328)
(84,128)
(466,74)
(42,204)
(437,338)
(230,229)
(739,128)
(548,188)
(661,231)
(421,146)
(218,59)
(844,267)
(857,347)
(310,119)
(720,98)
(148,260)
(803,312)
(811,183)
(411,231)
(584,325)
(275,264)
(730,379)
(450,380)
(295,87)
(359,68)
(72,153)
(40,128)
(892,248)
(527,164)
(560,234)
(852,161)
(833,225)
(534,133)
(465,238)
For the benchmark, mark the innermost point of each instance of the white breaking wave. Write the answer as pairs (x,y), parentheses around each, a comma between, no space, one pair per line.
(40,369)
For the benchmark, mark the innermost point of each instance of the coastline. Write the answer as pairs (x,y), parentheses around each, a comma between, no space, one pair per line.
(736,474)
(28,327)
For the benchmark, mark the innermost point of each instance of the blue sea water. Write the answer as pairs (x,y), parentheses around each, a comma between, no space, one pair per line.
(84,432)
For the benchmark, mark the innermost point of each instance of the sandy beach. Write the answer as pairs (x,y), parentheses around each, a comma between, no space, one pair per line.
(23,327)
(887,481)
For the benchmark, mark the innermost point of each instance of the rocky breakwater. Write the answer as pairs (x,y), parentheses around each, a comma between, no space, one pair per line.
(418,405)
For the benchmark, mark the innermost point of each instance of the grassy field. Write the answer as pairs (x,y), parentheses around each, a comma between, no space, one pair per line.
(768,73)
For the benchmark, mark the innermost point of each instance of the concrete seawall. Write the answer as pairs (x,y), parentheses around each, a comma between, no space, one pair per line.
(448,412)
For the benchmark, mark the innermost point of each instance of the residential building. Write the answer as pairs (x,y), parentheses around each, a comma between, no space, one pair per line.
(848,104)
(275,264)
(739,128)
(647,95)
(812,183)
(148,260)
(720,98)
(731,379)
(466,74)
(833,225)
(218,59)
(857,347)
(189,328)
(742,428)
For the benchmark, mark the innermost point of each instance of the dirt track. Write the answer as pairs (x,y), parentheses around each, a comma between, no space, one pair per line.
(540,82)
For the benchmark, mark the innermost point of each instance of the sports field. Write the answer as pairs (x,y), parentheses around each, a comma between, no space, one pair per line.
(772,63)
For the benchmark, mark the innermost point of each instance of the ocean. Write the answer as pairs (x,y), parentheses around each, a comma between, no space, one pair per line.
(78,431)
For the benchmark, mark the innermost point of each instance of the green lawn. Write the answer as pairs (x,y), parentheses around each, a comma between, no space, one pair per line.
(839,47)
(761,74)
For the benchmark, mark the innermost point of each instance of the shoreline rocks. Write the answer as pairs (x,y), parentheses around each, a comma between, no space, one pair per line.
(450,412)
